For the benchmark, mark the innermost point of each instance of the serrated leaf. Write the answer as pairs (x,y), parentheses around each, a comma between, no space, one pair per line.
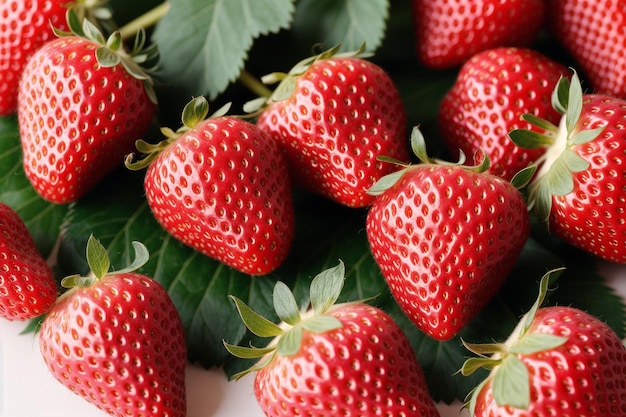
(42,218)
(511,385)
(347,22)
(207,53)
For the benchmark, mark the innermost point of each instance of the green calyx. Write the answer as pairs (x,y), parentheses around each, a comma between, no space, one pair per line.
(194,113)
(509,375)
(287,81)
(559,163)
(99,264)
(418,147)
(324,292)
(139,62)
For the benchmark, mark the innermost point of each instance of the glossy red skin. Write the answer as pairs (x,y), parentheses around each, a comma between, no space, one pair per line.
(591,33)
(24,27)
(449,32)
(592,217)
(583,377)
(223,188)
(27,284)
(365,368)
(445,239)
(77,119)
(119,345)
(492,91)
(343,114)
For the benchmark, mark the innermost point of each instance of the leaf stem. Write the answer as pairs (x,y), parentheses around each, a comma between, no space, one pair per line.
(253,84)
(148,19)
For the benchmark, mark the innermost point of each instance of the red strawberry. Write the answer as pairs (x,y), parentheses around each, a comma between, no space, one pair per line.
(350,359)
(24,27)
(592,34)
(116,340)
(221,186)
(560,361)
(449,32)
(80,112)
(579,188)
(27,284)
(333,116)
(493,89)
(445,237)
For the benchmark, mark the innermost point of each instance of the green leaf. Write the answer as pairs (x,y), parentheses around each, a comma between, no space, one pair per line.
(107,58)
(574,103)
(206,53)
(326,288)
(256,323)
(386,182)
(97,257)
(347,22)
(536,342)
(584,136)
(142,256)
(247,352)
(285,304)
(195,111)
(290,342)
(560,95)
(530,139)
(321,324)
(544,284)
(511,385)
(42,218)
(542,124)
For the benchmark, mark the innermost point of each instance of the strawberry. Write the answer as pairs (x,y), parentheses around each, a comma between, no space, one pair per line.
(27,284)
(25,27)
(493,89)
(350,359)
(116,340)
(559,361)
(449,32)
(445,237)
(333,115)
(578,190)
(592,34)
(221,186)
(80,111)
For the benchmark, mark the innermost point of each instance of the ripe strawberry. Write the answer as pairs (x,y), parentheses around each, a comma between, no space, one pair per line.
(579,188)
(333,115)
(492,91)
(116,340)
(221,186)
(80,111)
(27,285)
(350,358)
(559,361)
(445,237)
(24,27)
(449,32)
(592,34)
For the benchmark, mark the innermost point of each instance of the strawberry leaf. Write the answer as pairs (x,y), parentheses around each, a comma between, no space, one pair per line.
(43,219)
(326,288)
(346,22)
(97,257)
(285,305)
(207,53)
(536,342)
(510,383)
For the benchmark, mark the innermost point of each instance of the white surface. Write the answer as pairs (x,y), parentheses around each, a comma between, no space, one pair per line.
(27,389)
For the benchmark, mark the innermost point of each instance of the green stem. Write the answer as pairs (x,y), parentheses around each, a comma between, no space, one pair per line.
(253,84)
(148,19)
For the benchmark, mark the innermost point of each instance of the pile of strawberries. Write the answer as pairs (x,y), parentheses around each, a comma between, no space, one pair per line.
(445,235)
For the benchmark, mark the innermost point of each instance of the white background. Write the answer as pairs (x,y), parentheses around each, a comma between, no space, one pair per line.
(27,389)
